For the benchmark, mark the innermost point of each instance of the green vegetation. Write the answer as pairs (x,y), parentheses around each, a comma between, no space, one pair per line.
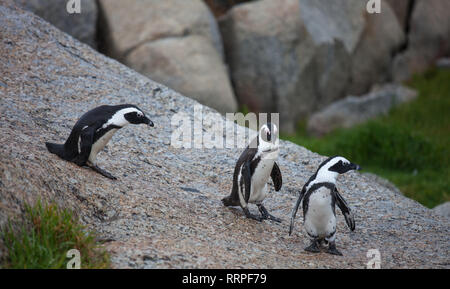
(44,237)
(244,109)
(410,146)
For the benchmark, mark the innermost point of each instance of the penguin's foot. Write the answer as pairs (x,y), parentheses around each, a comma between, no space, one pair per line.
(251,216)
(266,216)
(273,218)
(323,242)
(102,172)
(79,162)
(313,248)
(332,249)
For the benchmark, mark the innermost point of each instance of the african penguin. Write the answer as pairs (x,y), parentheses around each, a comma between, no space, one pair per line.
(252,171)
(319,196)
(92,132)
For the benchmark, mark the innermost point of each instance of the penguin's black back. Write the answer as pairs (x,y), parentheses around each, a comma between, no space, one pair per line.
(247,155)
(99,115)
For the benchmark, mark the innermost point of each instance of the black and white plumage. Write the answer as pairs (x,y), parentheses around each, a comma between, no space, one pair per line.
(253,168)
(319,197)
(93,131)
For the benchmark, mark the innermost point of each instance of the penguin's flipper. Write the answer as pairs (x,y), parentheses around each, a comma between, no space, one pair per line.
(87,138)
(276,177)
(345,209)
(294,211)
(247,174)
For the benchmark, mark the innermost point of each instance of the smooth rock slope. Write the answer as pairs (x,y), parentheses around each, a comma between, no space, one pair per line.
(164,211)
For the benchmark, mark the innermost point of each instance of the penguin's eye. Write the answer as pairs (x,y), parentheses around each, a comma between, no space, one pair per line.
(140,114)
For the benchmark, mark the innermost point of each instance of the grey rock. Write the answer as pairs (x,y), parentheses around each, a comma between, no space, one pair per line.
(174,42)
(443,63)
(82,26)
(189,65)
(401,10)
(429,39)
(220,7)
(296,57)
(443,209)
(272,48)
(353,110)
(154,223)
(133,23)
(327,21)
(382,182)
(336,30)
(373,56)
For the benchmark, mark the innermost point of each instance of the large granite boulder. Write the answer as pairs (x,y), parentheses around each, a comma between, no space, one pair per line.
(220,7)
(428,38)
(164,211)
(402,10)
(353,110)
(82,26)
(262,46)
(175,42)
(373,56)
(298,56)
(443,209)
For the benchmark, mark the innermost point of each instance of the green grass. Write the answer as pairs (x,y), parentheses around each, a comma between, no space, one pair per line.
(42,240)
(410,146)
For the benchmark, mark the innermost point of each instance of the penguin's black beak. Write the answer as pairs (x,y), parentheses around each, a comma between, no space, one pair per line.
(149,122)
(355,167)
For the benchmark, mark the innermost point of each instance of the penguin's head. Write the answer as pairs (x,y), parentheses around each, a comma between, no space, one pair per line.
(136,116)
(268,141)
(268,132)
(334,166)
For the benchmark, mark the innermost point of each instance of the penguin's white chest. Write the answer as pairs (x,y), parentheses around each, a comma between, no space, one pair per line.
(100,144)
(258,189)
(320,220)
